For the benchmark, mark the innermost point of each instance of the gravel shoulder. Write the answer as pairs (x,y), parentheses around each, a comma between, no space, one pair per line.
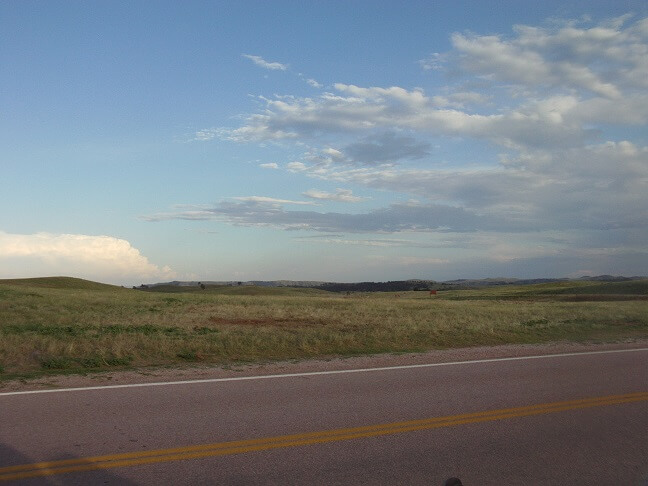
(153,375)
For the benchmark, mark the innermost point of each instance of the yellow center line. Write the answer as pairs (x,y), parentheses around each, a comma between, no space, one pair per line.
(242,446)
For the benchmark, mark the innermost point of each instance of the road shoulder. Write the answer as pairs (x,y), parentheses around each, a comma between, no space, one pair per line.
(155,375)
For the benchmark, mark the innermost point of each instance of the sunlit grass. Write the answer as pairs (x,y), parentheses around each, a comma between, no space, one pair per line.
(83,327)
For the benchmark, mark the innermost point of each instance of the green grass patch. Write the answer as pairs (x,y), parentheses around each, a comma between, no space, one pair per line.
(61,326)
(87,362)
(574,291)
(535,322)
(190,356)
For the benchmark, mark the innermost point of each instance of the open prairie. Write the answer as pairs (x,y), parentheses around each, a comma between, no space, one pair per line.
(61,325)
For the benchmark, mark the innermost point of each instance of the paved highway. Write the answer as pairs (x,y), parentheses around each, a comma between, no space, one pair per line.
(571,419)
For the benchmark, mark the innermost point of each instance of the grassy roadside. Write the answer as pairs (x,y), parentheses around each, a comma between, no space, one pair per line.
(62,325)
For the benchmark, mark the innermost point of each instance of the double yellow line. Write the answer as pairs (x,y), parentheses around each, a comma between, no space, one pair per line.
(238,447)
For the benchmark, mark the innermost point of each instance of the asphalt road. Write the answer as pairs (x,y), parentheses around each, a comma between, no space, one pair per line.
(557,420)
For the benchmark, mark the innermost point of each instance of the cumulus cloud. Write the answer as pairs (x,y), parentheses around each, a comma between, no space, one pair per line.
(102,258)
(568,57)
(259,61)
(296,166)
(368,111)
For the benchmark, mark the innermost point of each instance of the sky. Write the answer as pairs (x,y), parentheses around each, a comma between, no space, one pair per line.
(342,141)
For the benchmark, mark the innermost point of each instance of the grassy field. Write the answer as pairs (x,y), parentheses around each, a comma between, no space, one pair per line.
(59,325)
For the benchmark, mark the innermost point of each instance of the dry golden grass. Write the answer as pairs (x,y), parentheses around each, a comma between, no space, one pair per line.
(54,329)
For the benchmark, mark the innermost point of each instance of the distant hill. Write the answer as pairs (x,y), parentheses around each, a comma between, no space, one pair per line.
(390,286)
(611,278)
(606,287)
(602,284)
(486,282)
(234,283)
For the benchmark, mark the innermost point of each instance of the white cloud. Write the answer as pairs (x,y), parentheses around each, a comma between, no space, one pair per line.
(369,111)
(296,166)
(270,165)
(314,84)
(434,62)
(340,195)
(334,153)
(259,61)
(205,135)
(271,200)
(604,59)
(101,258)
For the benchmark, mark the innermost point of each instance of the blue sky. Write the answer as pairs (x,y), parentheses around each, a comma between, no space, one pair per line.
(344,141)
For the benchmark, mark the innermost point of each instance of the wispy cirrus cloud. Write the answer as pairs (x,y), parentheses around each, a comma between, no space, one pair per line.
(379,243)
(271,200)
(340,195)
(259,61)
(395,218)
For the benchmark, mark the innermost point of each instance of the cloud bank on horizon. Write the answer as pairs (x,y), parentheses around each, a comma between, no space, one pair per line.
(79,255)
(520,153)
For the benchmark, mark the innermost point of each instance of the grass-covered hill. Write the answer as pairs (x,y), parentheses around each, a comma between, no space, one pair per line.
(629,287)
(572,290)
(58,283)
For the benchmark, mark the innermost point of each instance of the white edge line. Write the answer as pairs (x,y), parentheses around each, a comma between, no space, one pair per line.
(315,373)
